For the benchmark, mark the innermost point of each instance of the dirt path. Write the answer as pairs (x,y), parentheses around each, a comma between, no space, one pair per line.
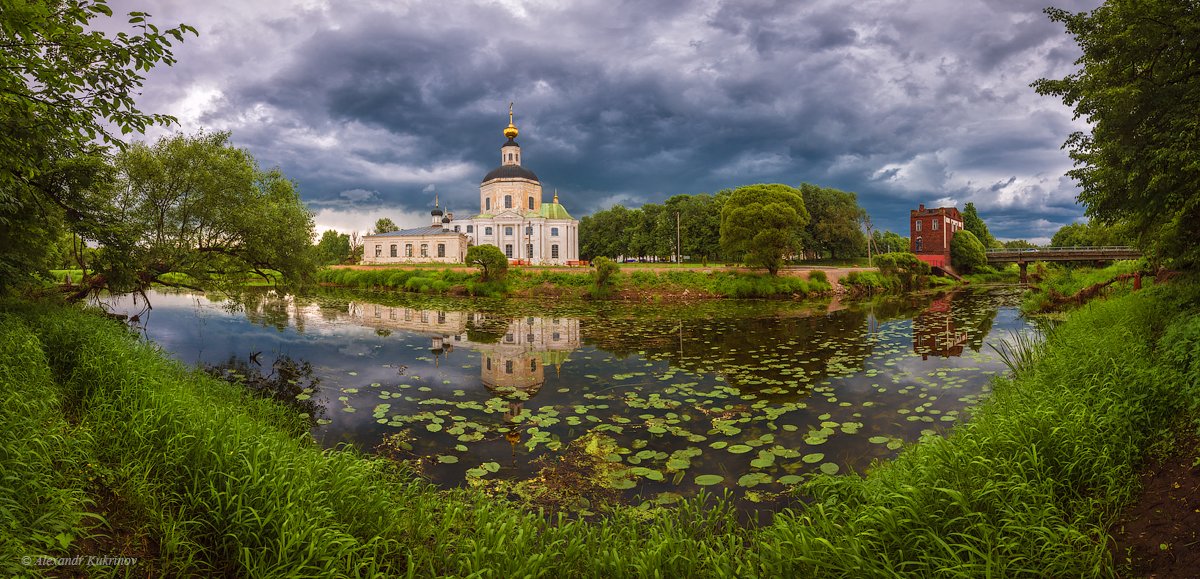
(1159,534)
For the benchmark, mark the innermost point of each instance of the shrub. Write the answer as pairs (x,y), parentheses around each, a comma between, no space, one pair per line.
(818,276)
(605,270)
(966,252)
(490,260)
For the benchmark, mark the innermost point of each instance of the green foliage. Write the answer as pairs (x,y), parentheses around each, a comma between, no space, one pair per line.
(385,225)
(1067,280)
(966,252)
(818,276)
(490,260)
(1091,234)
(605,270)
(1018,244)
(871,282)
(973,223)
(904,266)
(333,248)
(196,205)
(833,227)
(762,224)
(887,242)
(1137,87)
(64,85)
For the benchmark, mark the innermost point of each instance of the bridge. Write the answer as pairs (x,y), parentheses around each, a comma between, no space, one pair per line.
(1022,257)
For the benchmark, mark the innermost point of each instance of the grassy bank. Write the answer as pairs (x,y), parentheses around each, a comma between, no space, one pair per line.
(1050,281)
(629,282)
(201,478)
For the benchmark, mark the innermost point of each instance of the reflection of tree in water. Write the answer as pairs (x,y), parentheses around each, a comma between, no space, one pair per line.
(290,383)
(752,353)
(264,307)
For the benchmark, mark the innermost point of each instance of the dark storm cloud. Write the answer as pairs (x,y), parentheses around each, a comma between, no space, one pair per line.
(379,105)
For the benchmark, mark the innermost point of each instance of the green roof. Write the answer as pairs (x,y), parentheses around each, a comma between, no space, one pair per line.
(554,211)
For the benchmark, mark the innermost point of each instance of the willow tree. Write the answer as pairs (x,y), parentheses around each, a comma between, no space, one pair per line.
(198,206)
(762,224)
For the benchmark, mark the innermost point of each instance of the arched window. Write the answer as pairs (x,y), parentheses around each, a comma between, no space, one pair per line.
(508,201)
(919,240)
(487,204)
(531,203)
(392,250)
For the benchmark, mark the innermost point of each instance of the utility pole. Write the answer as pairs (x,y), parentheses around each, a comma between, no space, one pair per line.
(678,240)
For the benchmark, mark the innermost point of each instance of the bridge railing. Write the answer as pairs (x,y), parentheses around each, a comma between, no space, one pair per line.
(1064,249)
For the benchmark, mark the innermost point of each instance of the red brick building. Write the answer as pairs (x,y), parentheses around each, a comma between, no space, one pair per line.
(930,232)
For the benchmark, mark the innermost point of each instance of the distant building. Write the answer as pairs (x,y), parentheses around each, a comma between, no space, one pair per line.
(930,233)
(512,217)
(434,244)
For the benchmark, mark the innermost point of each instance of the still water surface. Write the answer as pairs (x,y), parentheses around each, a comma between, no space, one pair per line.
(749,396)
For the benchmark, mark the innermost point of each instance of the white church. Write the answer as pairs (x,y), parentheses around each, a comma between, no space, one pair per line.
(512,217)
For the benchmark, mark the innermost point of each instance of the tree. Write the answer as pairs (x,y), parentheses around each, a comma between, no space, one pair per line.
(1138,88)
(64,86)
(887,241)
(385,225)
(333,248)
(834,224)
(1090,234)
(605,270)
(762,224)
(490,260)
(201,207)
(967,254)
(973,223)
(1018,244)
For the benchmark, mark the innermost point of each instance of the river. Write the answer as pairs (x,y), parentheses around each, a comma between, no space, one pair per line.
(639,403)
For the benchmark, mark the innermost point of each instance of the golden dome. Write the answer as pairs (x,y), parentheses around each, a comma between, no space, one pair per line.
(511,130)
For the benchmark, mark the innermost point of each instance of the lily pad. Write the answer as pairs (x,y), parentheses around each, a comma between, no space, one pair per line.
(705,480)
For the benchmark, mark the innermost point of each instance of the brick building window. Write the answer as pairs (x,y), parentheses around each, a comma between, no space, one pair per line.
(918,225)
(935,225)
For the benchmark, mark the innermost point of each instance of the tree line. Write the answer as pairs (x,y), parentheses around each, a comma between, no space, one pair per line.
(689,227)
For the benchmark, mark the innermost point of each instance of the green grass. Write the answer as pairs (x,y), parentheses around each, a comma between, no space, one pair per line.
(210,474)
(1009,273)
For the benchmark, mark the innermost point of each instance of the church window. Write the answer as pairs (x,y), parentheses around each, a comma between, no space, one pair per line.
(553,232)
(487,230)
(508,337)
(378,251)
(508,230)
(424,250)
(508,250)
(470,229)
(508,366)
(556,336)
(407,250)
(935,224)
(489,363)
(528,230)
(441,250)
(529,250)
(529,338)
(554,251)
(456,229)
(508,201)
(530,202)
(533,365)
(392,250)
(487,204)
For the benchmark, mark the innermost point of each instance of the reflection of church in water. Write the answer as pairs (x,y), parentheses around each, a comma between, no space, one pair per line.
(514,353)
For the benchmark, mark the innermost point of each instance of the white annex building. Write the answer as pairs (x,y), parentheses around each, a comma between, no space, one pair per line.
(512,217)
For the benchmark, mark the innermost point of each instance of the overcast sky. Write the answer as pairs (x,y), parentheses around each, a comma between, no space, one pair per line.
(372,107)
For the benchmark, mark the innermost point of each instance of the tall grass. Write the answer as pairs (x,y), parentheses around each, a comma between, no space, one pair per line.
(1025,488)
